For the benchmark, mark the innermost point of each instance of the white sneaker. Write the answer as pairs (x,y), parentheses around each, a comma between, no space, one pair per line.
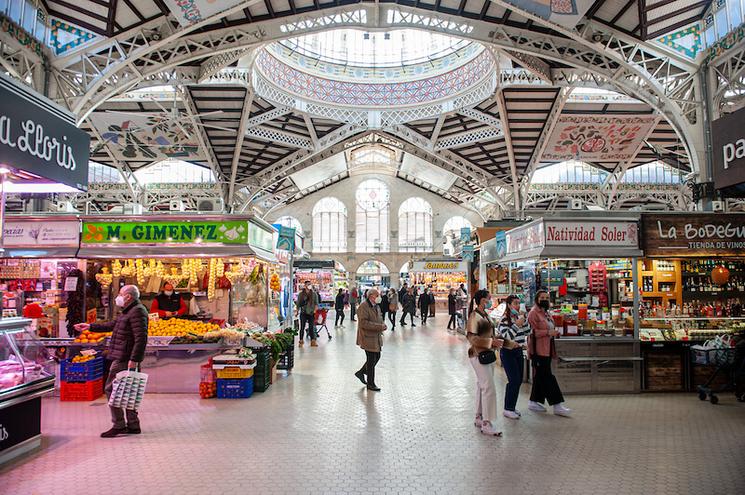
(478,422)
(561,410)
(489,430)
(534,406)
(511,415)
(518,413)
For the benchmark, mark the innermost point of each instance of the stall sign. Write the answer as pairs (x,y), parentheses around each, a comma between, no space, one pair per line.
(465,234)
(728,143)
(50,233)
(193,232)
(19,422)
(693,234)
(439,266)
(586,233)
(286,239)
(38,137)
(525,238)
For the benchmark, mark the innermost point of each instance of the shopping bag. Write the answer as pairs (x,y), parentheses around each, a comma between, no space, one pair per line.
(128,389)
(720,350)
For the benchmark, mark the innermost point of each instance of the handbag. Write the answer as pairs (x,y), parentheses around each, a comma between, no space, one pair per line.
(487,357)
(128,389)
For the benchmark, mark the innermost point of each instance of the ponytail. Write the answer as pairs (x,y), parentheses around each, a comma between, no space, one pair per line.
(477,297)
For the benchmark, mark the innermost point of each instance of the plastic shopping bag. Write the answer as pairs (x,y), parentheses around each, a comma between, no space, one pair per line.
(128,389)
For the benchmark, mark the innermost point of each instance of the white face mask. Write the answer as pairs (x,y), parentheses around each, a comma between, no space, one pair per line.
(378,300)
(168,292)
(119,301)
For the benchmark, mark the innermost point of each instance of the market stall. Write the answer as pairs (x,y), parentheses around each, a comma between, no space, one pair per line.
(26,374)
(39,271)
(327,275)
(441,275)
(222,267)
(692,289)
(589,268)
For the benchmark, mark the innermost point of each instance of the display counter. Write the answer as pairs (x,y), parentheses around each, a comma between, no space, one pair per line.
(601,365)
(26,374)
(441,275)
(328,276)
(174,369)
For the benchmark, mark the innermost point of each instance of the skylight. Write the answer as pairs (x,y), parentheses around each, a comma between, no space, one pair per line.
(357,48)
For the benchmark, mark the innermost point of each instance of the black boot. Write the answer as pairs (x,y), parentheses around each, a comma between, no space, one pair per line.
(361,377)
(113,432)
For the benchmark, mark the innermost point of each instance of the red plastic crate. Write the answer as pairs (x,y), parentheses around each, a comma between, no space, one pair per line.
(81,391)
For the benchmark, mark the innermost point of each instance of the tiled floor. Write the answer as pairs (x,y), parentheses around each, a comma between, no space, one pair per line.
(318,431)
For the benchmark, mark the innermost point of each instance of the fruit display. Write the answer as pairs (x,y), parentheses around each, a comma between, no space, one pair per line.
(247,326)
(229,335)
(189,330)
(207,390)
(277,342)
(274,282)
(88,337)
(83,358)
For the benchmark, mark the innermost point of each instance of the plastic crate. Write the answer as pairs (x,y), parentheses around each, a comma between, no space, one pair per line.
(262,372)
(286,359)
(81,391)
(235,389)
(81,372)
(234,372)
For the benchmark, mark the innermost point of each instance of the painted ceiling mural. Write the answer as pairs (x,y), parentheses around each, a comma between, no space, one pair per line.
(598,138)
(146,136)
(566,13)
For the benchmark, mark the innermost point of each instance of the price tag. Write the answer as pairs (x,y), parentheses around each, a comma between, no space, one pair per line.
(71,284)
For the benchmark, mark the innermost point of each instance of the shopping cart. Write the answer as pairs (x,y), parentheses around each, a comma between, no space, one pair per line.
(320,320)
(719,354)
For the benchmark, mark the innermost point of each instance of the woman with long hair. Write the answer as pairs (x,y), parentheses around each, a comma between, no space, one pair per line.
(514,329)
(480,335)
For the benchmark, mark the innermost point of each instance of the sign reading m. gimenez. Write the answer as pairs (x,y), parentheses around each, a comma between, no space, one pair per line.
(37,136)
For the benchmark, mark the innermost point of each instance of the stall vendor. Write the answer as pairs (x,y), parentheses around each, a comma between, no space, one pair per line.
(168,303)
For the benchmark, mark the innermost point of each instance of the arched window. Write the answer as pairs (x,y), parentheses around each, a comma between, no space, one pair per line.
(373,273)
(451,229)
(373,201)
(292,222)
(415,226)
(174,171)
(329,226)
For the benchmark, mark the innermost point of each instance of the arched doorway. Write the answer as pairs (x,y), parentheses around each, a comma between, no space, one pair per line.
(373,273)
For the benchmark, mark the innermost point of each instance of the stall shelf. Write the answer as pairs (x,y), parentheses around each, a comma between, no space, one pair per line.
(26,374)
(693,288)
(589,267)
(441,274)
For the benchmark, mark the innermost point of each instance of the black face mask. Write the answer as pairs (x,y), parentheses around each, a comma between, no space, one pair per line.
(544,304)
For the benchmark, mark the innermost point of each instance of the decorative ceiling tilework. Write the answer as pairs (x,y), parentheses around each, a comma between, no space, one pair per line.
(64,37)
(375,94)
(687,41)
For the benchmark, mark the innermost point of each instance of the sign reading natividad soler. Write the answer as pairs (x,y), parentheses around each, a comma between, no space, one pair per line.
(693,234)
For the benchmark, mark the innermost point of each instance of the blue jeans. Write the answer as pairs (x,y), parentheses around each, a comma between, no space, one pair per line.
(512,362)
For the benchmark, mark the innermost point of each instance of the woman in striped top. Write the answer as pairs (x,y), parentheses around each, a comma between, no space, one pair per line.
(514,329)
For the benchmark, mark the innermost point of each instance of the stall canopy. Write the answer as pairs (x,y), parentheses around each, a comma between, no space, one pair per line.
(174,237)
(41,237)
(574,238)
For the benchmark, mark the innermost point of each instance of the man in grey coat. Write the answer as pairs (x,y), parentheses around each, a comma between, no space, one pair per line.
(126,351)
(370,330)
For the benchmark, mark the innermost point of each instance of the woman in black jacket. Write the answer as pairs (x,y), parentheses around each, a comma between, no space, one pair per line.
(339,307)
(424,301)
(384,304)
(452,304)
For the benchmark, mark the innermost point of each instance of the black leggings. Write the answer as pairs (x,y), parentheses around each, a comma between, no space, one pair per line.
(369,367)
(403,317)
(451,323)
(339,317)
(392,318)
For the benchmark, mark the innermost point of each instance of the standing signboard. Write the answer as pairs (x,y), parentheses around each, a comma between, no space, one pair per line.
(728,144)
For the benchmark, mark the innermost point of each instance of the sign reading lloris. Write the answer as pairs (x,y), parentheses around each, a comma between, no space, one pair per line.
(212,232)
(728,142)
(38,137)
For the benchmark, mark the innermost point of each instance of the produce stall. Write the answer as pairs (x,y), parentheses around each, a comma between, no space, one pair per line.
(692,289)
(37,261)
(327,275)
(441,275)
(224,267)
(26,374)
(589,268)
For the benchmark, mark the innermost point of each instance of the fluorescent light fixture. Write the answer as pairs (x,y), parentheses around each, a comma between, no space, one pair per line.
(4,170)
(38,187)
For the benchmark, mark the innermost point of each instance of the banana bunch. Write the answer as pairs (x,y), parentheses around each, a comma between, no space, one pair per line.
(116,268)
(140,268)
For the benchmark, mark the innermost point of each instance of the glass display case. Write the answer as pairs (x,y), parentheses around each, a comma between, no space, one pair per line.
(688,328)
(26,374)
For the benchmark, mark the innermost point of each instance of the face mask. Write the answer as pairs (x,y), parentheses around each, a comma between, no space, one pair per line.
(488,304)
(378,300)
(544,304)
(119,301)
(168,292)
(514,311)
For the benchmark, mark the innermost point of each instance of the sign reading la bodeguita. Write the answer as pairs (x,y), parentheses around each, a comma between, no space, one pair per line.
(693,234)
(179,232)
(38,137)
